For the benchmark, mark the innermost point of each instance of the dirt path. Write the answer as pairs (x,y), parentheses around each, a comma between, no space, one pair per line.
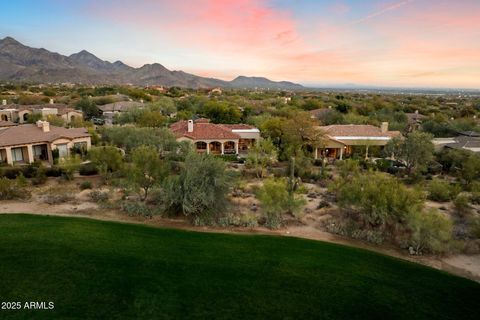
(464,265)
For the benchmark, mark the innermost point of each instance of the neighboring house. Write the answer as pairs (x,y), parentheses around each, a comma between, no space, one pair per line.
(27,143)
(414,120)
(109,110)
(20,113)
(469,140)
(69,114)
(320,113)
(340,139)
(216,138)
(215,91)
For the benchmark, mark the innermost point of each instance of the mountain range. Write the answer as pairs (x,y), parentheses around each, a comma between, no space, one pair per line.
(19,62)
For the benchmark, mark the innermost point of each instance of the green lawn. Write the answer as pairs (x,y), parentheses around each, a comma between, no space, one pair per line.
(92,269)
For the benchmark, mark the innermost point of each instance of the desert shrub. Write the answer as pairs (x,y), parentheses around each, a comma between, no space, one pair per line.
(229,157)
(462,204)
(431,232)
(200,189)
(99,196)
(139,209)
(30,170)
(40,177)
(378,198)
(54,171)
(10,172)
(85,185)
(442,190)
(475,227)
(12,189)
(475,192)
(276,201)
(57,195)
(88,169)
(70,165)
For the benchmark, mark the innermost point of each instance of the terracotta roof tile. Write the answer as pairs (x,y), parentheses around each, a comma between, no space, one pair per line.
(30,133)
(357,130)
(203,130)
(6,124)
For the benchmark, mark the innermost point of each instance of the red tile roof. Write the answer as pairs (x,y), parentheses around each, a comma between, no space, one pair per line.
(4,123)
(30,133)
(357,130)
(203,130)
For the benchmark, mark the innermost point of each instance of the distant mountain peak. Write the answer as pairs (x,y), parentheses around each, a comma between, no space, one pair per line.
(9,40)
(19,63)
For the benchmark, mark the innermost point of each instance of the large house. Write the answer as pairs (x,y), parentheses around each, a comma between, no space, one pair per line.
(110,110)
(469,140)
(23,144)
(20,113)
(339,139)
(216,138)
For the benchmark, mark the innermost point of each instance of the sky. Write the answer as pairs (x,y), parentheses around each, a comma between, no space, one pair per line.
(413,43)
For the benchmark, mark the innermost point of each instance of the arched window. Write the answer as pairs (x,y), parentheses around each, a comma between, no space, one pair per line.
(201,146)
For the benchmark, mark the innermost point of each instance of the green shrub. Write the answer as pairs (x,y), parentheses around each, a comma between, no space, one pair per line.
(88,169)
(276,201)
(12,189)
(475,227)
(99,196)
(462,204)
(54,171)
(378,198)
(442,190)
(85,185)
(40,177)
(139,209)
(431,232)
(229,157)
(10,172)
(200,189)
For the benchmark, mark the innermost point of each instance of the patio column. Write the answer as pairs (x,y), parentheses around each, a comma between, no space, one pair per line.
(341,153)
(222,147)
(316,153)
(208,147)
(8,152)
(366,152)
(236,147)
(30,153)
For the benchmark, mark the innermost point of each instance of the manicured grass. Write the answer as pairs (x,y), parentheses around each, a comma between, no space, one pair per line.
(103,270)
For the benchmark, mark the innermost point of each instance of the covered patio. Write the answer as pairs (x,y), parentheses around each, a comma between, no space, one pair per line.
(217,147)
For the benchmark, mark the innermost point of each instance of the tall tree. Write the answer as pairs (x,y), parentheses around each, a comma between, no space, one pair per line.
(147,170)
(261,155)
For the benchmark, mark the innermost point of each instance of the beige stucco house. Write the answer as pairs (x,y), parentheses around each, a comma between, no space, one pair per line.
(27,143)
(216,138)
(20,113)
(338,140)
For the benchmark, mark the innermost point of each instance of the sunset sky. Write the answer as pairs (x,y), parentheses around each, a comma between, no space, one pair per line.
(428,43)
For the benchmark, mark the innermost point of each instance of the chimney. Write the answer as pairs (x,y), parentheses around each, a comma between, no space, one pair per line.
(45,125)
(190,126)
(51,101)
(4,102)
(384,127)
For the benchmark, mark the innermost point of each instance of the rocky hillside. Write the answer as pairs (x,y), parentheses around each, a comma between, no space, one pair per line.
(22,63)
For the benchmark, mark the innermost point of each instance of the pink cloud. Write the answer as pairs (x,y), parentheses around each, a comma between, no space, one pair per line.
(399,42)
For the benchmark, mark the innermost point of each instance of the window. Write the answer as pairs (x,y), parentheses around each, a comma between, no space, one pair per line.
(17,155)
(40,152)
(62,150)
